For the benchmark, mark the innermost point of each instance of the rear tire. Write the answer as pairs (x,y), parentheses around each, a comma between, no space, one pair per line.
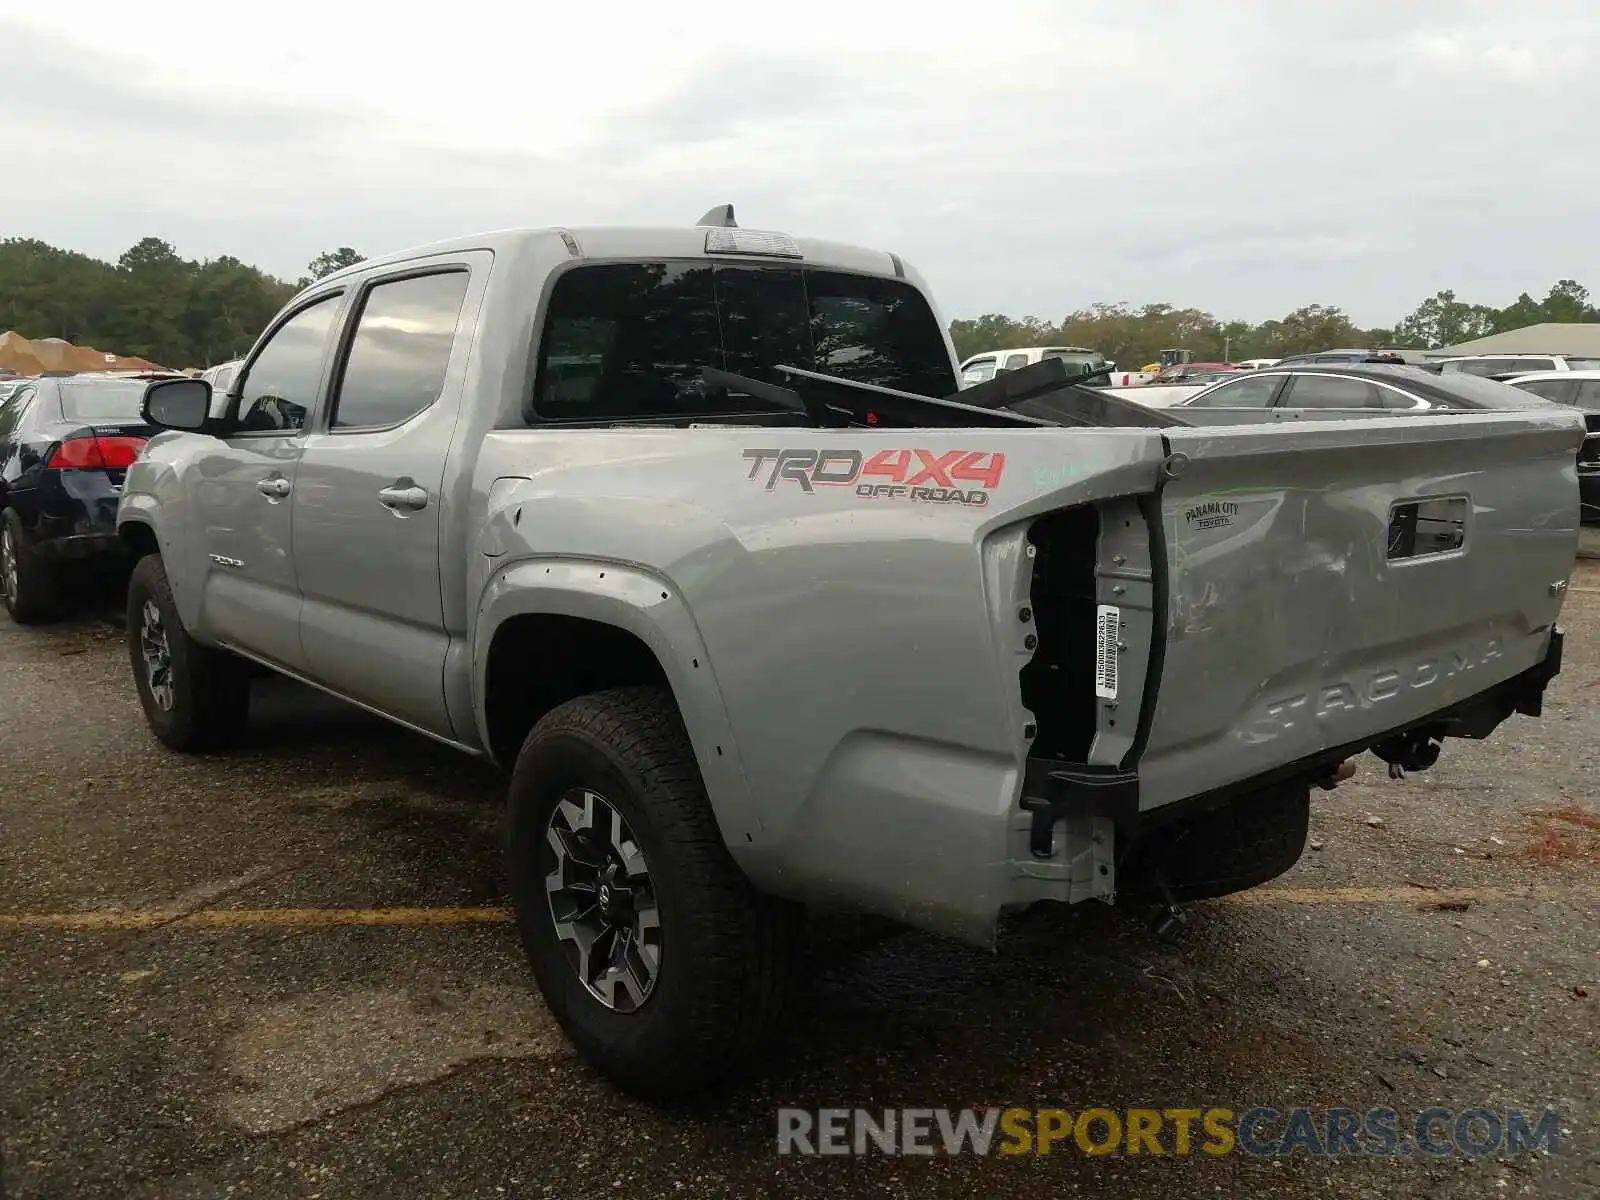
(194,697)
(27,582)
(613,779)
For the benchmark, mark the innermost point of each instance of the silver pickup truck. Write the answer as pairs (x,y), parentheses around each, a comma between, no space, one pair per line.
(684,528)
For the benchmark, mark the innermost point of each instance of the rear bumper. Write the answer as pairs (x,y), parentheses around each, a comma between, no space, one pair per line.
(1053,791)
(75,515)
(935,837)
(79,545)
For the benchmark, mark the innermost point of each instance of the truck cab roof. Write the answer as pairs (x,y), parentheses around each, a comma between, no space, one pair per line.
(644,241)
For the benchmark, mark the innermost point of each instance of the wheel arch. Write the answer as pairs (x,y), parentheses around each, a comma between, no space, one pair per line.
(139,535)
(550,630)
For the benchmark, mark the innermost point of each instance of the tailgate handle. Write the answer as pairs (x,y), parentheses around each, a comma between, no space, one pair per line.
(1423,527)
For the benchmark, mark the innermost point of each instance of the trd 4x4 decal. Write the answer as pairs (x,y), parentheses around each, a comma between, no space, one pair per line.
(925,476)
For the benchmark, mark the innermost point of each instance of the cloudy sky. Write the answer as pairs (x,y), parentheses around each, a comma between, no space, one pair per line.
(1030,156)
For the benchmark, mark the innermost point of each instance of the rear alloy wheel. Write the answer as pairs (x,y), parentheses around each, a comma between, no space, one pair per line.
(665,967)
(194,697)
(26,587)
(601,900)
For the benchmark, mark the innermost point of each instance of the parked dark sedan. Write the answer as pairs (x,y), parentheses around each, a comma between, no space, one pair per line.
(1356,386)
(65,445)
(1364,386)
(1581,389)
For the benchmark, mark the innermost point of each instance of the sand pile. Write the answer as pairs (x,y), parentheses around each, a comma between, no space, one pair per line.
(52,354)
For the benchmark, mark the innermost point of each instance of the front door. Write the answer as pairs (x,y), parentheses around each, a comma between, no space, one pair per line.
(243,487)
(368,500)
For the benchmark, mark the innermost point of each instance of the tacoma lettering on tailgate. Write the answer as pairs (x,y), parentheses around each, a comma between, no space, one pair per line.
(1368,689)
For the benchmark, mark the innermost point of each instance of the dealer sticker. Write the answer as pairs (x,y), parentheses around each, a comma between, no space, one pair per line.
(1108,629)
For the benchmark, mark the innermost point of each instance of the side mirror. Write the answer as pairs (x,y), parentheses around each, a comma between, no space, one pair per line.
(183,404)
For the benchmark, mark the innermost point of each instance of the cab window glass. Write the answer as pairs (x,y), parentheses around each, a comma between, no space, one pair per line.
(400,351)
(280,389)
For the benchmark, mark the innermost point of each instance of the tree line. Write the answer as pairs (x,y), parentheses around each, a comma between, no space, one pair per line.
(1134,335)
(150,303)
(179,312)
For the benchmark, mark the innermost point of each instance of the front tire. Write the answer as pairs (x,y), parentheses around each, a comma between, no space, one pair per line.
(27,585)
(666,969)
(194,697)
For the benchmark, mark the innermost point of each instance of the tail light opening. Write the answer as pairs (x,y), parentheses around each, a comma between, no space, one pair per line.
(95,452)
(1058,682)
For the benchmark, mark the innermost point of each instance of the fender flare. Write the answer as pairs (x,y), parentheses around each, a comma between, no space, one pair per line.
(141,508)
(651,608)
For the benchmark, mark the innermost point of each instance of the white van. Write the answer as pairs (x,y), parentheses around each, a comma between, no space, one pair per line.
(981,368)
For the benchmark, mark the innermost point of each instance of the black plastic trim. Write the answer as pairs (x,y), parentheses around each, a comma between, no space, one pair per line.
(1053,790)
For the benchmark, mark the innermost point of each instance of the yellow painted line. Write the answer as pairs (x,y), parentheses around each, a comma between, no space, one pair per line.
(299,918)
(1387,895)
(316,918)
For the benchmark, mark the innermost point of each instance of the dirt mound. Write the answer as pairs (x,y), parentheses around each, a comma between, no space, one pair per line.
(52,354)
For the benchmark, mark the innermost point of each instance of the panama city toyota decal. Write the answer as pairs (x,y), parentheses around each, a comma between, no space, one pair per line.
(923,476)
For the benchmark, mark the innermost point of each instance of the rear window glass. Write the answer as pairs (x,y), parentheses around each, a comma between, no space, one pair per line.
(101,400)
(1076,361)
(628,340)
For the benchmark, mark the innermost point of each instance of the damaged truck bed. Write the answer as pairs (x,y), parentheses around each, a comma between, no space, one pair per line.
(667,522)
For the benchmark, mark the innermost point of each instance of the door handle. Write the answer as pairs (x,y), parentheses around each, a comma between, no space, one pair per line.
(274,487)
(409,499)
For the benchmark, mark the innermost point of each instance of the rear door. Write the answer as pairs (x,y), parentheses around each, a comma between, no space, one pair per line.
(1330,580)
(369,492)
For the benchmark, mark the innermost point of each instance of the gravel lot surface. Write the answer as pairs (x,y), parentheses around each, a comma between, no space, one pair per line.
(284,972)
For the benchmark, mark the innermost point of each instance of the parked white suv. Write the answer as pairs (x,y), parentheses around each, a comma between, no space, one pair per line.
(981,368)
(219,377)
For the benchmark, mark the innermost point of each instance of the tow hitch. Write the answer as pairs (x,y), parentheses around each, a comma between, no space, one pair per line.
(1169,922)
(1414,751)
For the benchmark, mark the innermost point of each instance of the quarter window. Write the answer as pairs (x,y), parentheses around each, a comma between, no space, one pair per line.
(400,351)
(280,388)
(1332,391)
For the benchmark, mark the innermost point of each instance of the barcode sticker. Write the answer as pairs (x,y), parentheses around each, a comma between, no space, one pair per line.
(1108,630)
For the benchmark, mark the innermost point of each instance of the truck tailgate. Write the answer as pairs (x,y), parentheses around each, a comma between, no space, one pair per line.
(1313,601)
